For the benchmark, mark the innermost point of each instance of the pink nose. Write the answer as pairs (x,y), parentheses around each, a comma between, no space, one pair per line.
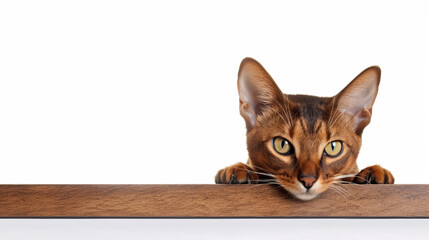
(307,181)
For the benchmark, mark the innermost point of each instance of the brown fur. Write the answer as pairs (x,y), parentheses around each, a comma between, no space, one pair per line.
(309,123)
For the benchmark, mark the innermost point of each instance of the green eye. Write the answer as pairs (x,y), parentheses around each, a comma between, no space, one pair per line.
(334,148)
(282,146)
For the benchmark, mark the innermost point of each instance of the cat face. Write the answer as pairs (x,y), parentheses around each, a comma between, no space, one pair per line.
(307,143)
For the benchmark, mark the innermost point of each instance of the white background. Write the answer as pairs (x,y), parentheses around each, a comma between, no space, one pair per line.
(249,229)
(145,92)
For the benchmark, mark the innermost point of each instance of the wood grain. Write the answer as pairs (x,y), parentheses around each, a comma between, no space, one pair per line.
(209,201)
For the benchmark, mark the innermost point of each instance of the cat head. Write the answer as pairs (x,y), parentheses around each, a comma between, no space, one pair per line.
(306,142)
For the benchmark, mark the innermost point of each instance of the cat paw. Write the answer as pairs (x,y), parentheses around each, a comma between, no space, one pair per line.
(238,173)
(374,175)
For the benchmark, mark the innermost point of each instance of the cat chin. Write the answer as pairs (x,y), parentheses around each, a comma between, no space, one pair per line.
(306,196)
(303,194)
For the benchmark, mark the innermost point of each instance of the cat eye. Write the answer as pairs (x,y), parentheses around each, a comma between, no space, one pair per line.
(282,146)
(334,148)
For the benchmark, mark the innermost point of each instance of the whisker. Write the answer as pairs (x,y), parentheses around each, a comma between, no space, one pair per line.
(343,194)
(278,185)
(336,190)
(333,115)
(366,180)
(267,180)
(344,182)
(287,104)
(263,169)
(281,116)
(344,176)
(341,187)
(263,174)
(260,173)
(273,183)
(262,182)
(337,118)
(288,116)
(332,109)
(350,175)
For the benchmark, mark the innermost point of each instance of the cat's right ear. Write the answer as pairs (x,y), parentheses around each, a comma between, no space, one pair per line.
(257,90)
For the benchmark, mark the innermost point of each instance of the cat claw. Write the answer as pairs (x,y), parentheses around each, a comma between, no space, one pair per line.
(248,178)
(232,179)
(238,173)
(374,175)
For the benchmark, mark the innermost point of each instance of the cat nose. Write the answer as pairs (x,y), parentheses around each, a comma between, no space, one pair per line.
(307,181)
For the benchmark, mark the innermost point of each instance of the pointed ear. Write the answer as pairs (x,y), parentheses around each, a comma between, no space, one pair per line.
(256,89)
(357,98)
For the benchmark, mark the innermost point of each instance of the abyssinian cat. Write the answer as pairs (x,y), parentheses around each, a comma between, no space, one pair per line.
(303,143)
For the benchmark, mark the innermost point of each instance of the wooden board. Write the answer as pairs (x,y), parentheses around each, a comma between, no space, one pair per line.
(209,201)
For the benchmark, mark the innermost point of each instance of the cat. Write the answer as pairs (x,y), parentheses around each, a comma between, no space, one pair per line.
(303,143)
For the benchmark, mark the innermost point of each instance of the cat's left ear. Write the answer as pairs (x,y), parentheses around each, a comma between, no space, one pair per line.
(357,98)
